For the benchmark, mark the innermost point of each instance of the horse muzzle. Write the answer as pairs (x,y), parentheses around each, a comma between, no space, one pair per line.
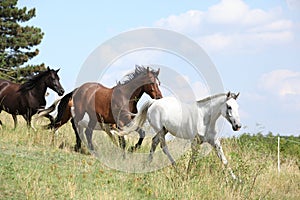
(60,92)
(236,127)
(159,96)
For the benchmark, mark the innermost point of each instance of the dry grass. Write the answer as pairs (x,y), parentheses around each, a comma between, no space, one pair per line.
(40,165)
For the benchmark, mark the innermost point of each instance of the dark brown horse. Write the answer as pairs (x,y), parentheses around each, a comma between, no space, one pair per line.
(114,105)
(25,99)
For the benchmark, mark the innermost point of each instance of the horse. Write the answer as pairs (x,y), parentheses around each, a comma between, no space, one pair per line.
(114,105)
(187,121)
(64,106)
(66,103)
(25,99)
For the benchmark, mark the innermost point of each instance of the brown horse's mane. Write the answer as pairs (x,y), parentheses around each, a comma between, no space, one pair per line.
(138,71)
(31,82)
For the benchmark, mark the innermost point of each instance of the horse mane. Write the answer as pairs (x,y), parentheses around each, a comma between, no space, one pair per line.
(138,71)
(31,82)
(210,98)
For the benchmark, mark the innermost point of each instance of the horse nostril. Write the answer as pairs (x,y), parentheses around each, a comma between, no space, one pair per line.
(238,127)
(61,91)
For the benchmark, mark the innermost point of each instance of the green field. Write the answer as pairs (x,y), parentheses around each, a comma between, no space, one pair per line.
(41,165)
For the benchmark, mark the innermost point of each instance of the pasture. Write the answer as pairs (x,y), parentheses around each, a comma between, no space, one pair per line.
(40,165)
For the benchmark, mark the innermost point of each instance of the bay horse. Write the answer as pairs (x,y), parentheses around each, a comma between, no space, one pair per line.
(66,103)
(25,99)
(188,121)
(114,105)
(64,106)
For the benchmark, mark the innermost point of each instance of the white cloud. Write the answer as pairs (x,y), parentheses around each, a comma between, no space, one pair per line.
(190,20)
(281,82)
(279,25)
(215,42)
(293,4)
(227,12)
(232,24)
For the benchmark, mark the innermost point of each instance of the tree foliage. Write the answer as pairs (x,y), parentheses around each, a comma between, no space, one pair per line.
(17,42)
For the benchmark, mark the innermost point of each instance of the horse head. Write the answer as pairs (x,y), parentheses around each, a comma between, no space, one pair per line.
(151,83)
(52,81)
(230,112)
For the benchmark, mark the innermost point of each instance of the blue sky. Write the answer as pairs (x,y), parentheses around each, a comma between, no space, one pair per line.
(254,45)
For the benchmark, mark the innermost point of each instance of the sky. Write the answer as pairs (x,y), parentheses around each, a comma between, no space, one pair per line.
(252,44)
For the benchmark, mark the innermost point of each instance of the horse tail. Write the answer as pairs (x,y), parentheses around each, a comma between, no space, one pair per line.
(138,120)
(50,109)
(62,106)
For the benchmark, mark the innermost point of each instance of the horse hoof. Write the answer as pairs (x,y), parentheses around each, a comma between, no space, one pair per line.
(150,158)
(132,149)
(91,148)
(76,149)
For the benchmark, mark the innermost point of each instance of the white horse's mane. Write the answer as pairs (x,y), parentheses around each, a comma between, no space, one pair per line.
(207,99)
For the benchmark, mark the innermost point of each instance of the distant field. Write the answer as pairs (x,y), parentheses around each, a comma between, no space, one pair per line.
(40,165)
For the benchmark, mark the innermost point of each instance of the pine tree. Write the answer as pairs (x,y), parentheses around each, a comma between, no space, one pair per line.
(17,42)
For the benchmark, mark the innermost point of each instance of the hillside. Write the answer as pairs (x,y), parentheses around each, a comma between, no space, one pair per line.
(40,165)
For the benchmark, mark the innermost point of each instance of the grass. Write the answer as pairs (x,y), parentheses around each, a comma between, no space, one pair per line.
(40,165)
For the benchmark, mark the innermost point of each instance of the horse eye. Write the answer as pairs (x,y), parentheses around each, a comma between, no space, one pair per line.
(229,107)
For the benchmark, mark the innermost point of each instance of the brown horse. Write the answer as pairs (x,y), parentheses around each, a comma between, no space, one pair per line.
(64,106)
(64,113)
(25,99)
(114,105)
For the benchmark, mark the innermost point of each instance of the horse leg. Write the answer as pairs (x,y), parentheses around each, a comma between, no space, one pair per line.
(111,132)
(28,121)
(15,120)
(195,145)
(89,133)
(78,139)
(122,144)
(195,142)
(218,147)
(155,141)
(51,118)
(0,120)
(29,124)
(140,141)
(164,146)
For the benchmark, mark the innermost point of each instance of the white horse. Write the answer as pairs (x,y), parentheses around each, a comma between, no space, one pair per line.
(188,121)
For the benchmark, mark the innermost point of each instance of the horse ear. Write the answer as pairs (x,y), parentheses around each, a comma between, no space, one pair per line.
(228,95)
(57,70)
(48,68)
(148,70)
(157,72)
(236,96)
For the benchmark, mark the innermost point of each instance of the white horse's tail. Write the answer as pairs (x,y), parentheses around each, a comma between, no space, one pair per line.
(138,120)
